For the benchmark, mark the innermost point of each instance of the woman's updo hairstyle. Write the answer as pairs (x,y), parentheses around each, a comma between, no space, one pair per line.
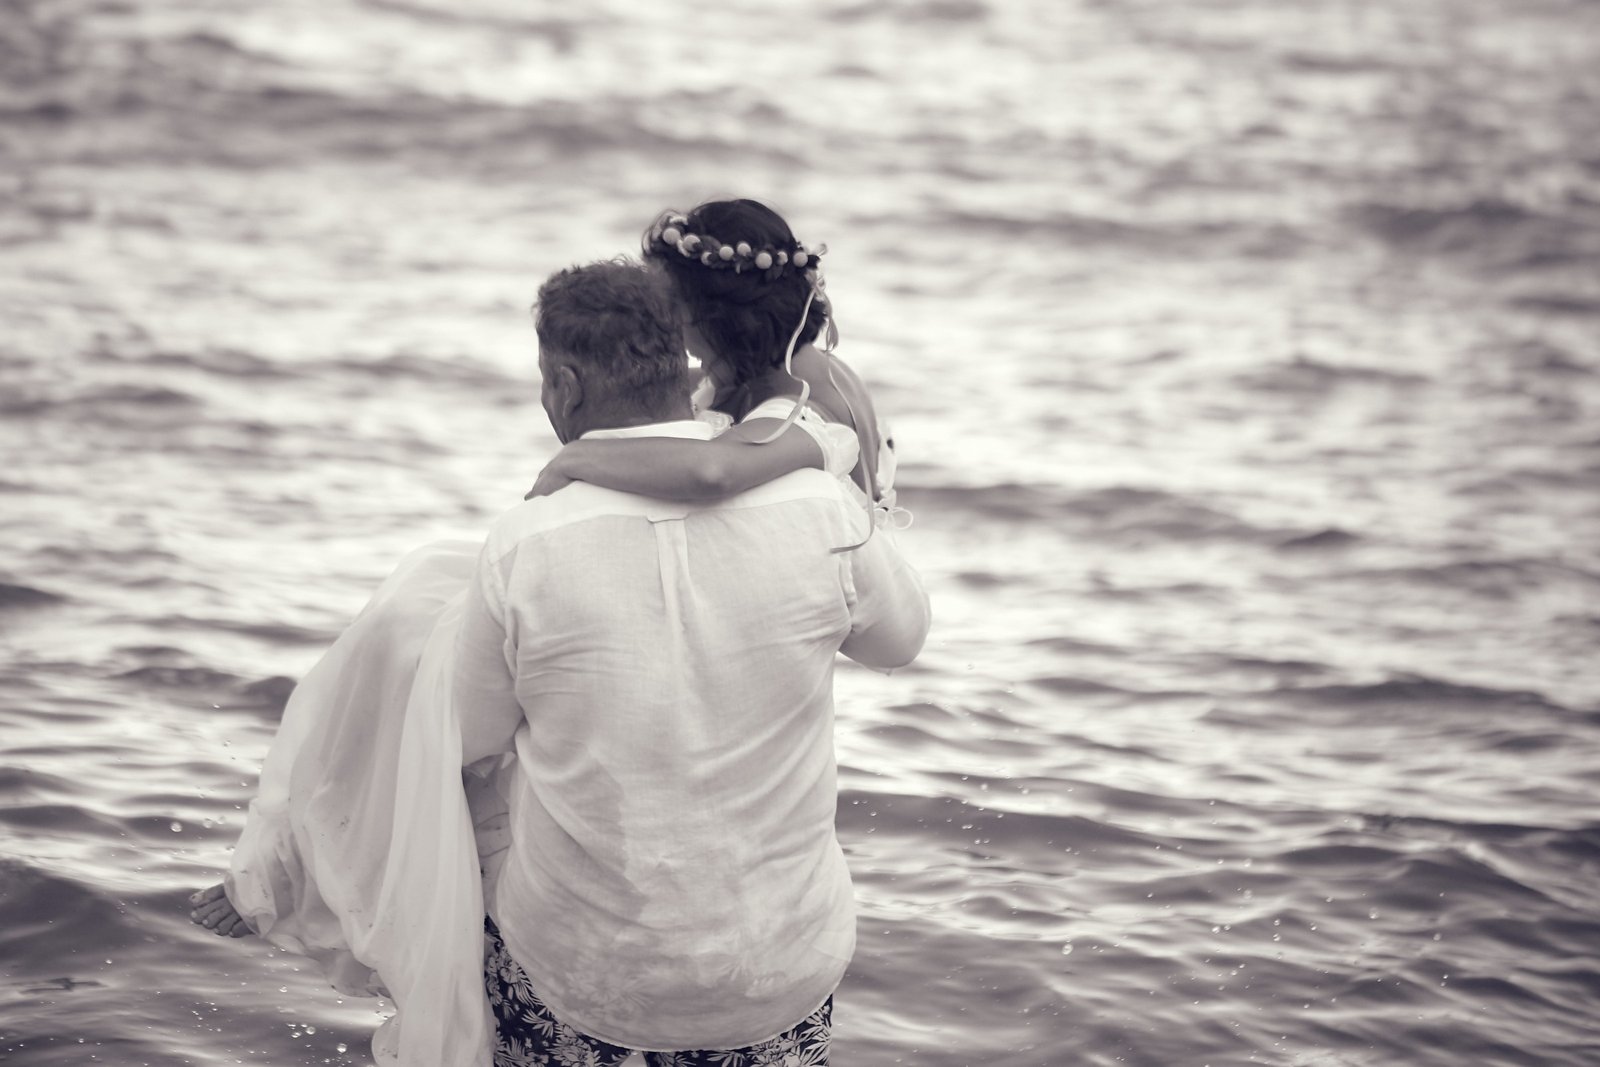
(743,280)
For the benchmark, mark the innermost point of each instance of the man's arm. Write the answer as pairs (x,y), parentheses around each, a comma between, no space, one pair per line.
(890,617)
(484,690)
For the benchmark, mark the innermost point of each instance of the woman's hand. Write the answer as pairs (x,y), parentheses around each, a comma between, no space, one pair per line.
(550,479)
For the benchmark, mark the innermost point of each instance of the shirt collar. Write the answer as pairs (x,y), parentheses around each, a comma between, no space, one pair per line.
(690,428)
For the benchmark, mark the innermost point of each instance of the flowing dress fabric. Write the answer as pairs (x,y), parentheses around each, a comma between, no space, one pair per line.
(360,848)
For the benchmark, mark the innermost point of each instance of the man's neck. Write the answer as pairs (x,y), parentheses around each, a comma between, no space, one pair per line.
(615,419)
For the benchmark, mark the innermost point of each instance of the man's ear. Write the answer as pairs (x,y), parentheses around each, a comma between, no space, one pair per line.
(569,390)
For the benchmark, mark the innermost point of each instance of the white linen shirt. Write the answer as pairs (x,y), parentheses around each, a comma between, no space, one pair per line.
(665,673)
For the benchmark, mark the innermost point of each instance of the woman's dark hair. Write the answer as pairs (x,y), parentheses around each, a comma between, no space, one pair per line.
(747,316)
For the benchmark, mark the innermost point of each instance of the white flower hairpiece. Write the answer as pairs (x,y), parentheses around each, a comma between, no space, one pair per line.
(671,232)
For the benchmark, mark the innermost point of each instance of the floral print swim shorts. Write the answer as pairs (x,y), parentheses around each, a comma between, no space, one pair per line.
(528,1035)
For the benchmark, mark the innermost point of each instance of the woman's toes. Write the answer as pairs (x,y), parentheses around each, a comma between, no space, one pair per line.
(232,925)
(210,914)
(206,895)
(212,909)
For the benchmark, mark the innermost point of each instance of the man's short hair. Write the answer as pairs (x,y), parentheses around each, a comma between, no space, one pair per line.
(619,320)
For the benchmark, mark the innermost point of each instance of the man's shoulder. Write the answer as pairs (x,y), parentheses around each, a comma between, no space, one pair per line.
(581,501)
(573,504)
(807,484)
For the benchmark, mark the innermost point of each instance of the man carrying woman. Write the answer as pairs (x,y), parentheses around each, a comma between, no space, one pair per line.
(644,686)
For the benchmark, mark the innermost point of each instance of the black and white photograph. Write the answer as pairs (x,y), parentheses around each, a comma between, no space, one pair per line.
(860,533)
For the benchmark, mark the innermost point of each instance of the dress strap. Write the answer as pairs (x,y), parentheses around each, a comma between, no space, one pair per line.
(788,368)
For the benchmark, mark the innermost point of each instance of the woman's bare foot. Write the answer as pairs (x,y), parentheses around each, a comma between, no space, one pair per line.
(213,910)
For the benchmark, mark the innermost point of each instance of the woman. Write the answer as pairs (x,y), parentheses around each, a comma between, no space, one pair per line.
(754,307)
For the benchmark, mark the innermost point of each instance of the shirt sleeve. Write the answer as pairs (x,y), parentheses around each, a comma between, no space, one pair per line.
(484,688)
(890,614)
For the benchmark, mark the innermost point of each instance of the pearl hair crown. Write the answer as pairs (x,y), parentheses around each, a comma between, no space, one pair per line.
(671,234)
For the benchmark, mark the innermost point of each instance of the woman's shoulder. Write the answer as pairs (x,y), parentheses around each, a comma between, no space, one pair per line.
(840,448)
(779,407)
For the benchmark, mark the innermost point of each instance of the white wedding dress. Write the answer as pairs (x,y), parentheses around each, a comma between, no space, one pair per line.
(360,848)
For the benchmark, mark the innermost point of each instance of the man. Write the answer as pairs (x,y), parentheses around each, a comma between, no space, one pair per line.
(664,674)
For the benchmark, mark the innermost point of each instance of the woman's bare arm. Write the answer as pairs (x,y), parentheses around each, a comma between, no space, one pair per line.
(676,468)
